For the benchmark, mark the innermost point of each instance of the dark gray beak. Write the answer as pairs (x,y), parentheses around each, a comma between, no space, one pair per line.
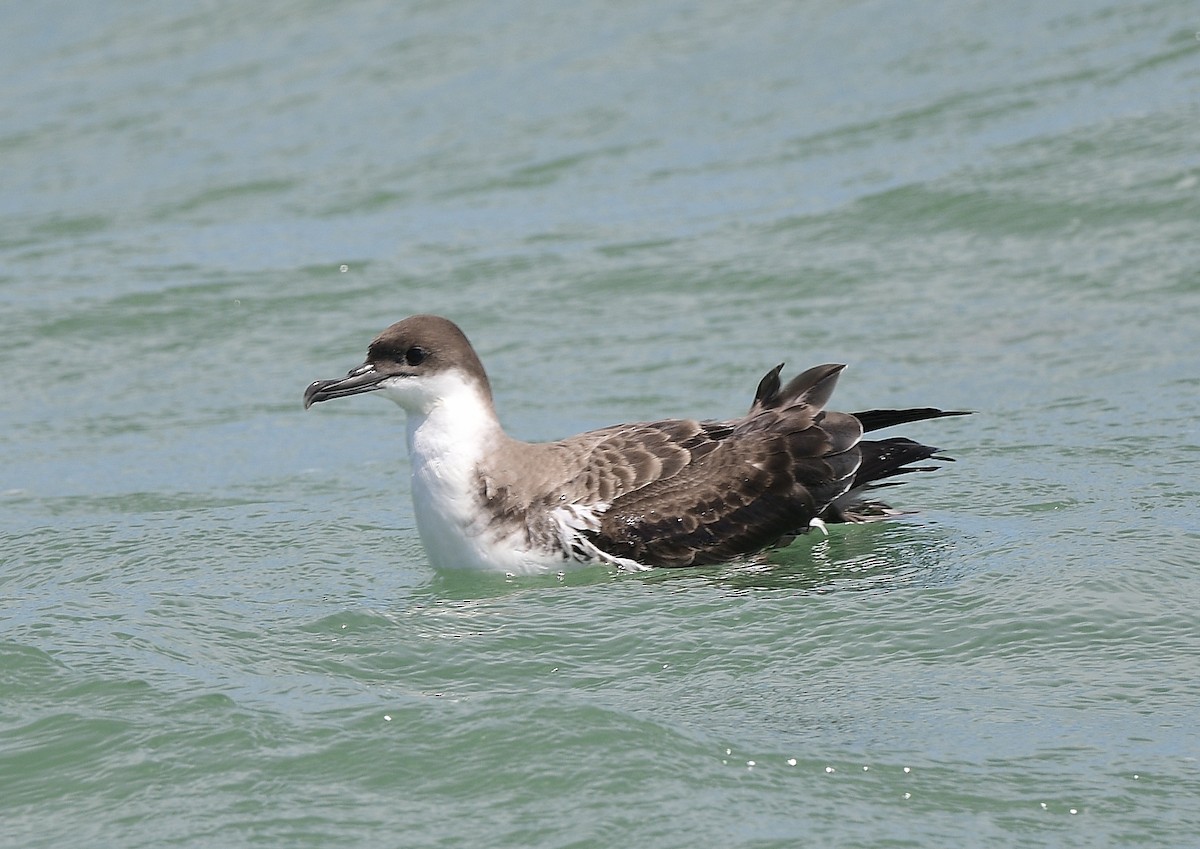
(362,379)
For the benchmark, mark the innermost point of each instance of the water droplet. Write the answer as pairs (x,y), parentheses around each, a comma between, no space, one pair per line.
(907,770)
(344,269)
(791,761)
(387,718)
(1074,811)
(829,769)
(750,763)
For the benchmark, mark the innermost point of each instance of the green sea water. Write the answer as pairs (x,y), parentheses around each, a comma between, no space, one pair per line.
(217,624)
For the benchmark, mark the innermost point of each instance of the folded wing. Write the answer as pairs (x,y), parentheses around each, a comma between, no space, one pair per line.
(746,485)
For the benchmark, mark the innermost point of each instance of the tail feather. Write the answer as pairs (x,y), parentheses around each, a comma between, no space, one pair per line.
(881,459)
(887,458)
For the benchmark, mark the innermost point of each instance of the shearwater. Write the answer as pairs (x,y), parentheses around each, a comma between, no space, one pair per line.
(678,492)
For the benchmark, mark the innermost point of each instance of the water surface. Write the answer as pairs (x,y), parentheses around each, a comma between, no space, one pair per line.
(218,625)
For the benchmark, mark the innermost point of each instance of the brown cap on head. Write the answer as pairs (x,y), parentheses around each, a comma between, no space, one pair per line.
(418,345)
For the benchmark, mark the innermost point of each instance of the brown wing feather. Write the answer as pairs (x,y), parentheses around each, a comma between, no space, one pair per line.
(602,465)
(626,458)
(768,479)
(682,492)
(589,471)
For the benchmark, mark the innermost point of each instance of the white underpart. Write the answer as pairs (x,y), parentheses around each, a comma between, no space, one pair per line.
(451,428)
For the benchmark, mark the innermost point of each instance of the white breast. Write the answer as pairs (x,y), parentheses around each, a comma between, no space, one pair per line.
(452,430)
(447,440)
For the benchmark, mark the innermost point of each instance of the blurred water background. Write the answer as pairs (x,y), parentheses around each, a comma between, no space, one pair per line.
(217,625)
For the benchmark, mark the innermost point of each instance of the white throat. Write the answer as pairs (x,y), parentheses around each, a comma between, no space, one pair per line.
(452,428)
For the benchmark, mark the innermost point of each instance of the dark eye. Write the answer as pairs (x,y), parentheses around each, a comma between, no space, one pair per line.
(415,355)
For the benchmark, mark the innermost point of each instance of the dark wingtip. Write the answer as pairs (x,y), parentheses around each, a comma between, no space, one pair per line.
(879,419)
(813,386)
(768,387)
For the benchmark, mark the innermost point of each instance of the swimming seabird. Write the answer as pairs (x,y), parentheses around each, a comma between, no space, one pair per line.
(677,492)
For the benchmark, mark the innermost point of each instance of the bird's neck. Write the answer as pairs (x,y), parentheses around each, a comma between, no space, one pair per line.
(448,443)
(456,429)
